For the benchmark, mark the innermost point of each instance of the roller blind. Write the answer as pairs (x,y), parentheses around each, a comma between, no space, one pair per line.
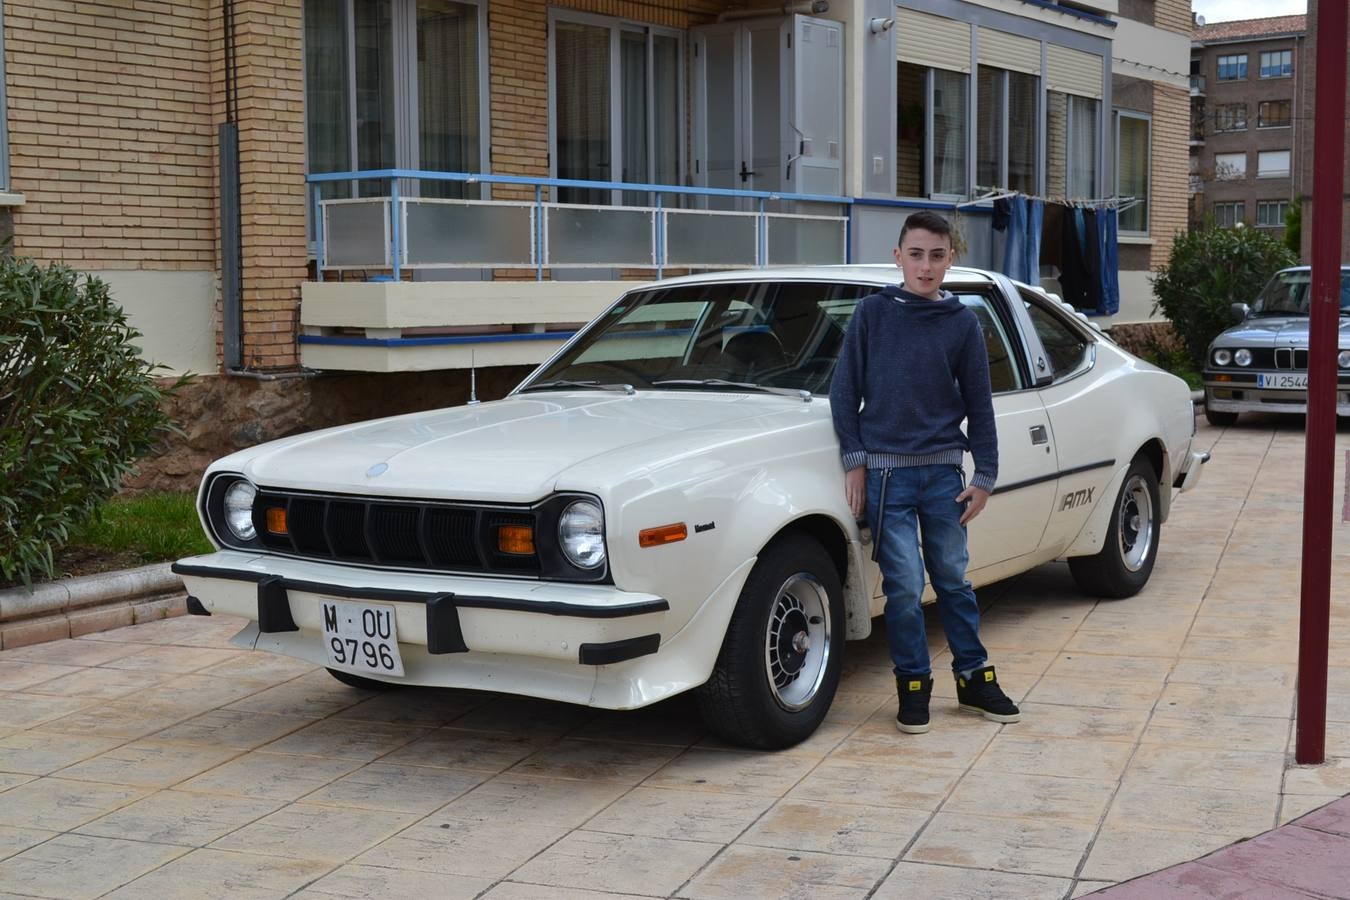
(934,41)
(1072,71)
(1009,51)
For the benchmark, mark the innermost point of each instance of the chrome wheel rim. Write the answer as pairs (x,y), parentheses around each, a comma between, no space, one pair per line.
(1136,523)
(797,641)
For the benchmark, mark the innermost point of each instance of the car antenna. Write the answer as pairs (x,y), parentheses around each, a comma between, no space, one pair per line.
(473,380)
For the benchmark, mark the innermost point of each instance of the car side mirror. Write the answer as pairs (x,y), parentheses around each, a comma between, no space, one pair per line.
(1240,312)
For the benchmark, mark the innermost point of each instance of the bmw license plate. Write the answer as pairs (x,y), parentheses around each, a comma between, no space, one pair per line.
(361,637)
(1282,382)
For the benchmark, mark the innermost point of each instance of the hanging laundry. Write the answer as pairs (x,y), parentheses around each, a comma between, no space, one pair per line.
(1108,225)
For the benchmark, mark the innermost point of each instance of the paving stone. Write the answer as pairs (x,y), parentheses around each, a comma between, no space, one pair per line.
(840,829)
(490,848)
(916,785)
(479,751)
(1028,846)
(180,817)
(148,764)
(235,728)
(1122,852)
(741,872)
(271,776)
(220,875)
(1030,796)
(734,772)
(54,804)
(171,660)
(79,866)
(540,801)
(608,862)
(681,815)
(346,739)
(18,676)
(42,753)
(16,840)
(412,789)
(596,761)
(920,881)
(371,883)
(309,831)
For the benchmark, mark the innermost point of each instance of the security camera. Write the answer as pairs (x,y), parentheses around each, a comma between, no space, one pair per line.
(880,26)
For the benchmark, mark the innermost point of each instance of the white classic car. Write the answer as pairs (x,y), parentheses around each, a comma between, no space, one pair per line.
(660,506)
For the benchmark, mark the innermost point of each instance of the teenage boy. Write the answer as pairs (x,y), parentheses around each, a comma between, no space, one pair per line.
(913,365)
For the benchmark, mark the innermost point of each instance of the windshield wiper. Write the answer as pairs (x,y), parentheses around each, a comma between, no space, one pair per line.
(799,393)
(564,383)
(1273,313)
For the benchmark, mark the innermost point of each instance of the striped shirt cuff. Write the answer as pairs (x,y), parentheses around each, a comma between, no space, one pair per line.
(854,459)
(984,481)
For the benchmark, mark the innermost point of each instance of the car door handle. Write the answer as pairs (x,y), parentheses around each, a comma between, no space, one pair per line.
(1039,435)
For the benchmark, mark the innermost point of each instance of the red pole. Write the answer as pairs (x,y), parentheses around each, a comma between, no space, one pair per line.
(1318,469)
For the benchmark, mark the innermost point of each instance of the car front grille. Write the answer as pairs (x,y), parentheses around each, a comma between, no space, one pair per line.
(1284,358)
(411,534)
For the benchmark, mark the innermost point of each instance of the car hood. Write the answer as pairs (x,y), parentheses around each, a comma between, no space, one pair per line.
(1276,331)
(510,450)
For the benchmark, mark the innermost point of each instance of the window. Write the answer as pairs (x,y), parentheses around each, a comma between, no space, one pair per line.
(1277,64)
(1272,164)
(1230,117)
(635,139)
(1071,154)
(1233,68)
(1132,168)
(1273,113)
(1227,215)
(368,107)
(1230,166)
(1270,213)
(1065,346)
(1003,374)
(931,131)
(1006,155)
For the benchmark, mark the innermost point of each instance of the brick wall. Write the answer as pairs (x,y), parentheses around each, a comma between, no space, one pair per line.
(1169,182)
(111,135)
(1173,15)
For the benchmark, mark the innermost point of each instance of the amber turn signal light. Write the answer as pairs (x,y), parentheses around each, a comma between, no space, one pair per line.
(276,520)
(517,540)
(664,534)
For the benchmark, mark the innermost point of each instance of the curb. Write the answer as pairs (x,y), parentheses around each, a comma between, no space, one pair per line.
(71,607)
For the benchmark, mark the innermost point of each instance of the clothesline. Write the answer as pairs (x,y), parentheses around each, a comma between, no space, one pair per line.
(1119,203)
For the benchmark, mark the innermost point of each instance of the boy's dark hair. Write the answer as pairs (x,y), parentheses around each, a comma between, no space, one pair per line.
(928,221)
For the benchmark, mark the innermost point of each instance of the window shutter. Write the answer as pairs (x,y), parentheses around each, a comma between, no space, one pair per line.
(1072,71)
(934,41)
(1009,51)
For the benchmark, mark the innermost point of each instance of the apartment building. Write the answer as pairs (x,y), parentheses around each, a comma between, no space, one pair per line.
(297,186)
(1304,156)
(1246,79)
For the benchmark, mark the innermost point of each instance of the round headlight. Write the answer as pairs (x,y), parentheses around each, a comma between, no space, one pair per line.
(581,532)
(239,510)
(1243,357)
(1343,359)
(1222,357)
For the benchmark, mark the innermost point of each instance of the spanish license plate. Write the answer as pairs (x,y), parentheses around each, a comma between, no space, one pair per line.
(361,637)
(1282,382)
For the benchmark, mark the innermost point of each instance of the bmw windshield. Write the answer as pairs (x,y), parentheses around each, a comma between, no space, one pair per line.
(719,336)
(1289,294)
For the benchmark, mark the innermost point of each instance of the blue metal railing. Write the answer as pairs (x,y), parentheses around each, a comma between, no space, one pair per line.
(396,237)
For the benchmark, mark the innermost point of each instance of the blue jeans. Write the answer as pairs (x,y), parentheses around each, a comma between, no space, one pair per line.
(921,500)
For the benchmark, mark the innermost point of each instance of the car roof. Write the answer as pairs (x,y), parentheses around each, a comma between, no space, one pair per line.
(872,273)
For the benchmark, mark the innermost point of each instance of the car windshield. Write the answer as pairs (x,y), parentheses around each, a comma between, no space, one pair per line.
(719,336)
(1289,294)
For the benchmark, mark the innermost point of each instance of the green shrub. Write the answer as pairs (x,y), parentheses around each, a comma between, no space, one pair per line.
(1208,271)
(1293,227)
(78,407)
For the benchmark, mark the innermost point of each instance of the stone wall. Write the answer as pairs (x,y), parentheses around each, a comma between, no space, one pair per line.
(220,414)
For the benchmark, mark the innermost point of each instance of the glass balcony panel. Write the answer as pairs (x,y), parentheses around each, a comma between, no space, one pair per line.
(356,234)
(709,240)
(805,242)
(599,236)
(468,234)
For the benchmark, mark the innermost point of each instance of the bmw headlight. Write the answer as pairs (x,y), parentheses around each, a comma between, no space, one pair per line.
(1243,357)
(581,533)
(1222,357)
(1343,359)
(239,510)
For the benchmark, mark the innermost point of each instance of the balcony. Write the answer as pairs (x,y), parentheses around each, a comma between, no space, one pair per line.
(411,282)
(1197,85)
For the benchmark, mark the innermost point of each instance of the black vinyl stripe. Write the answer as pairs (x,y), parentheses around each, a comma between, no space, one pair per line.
(575,610)
(1018,485)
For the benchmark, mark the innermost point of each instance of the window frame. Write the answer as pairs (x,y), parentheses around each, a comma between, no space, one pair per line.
(1281,208)
(1148,163)
(1005,112)
(1282,72)
(1241,66)
(5,184)
(1288,118)
(616,26)
(1277,173)
(1088,361)
(1220,108)
(1238,208)
(1242,176)
(991,297)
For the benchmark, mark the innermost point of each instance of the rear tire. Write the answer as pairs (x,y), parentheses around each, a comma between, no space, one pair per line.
(779,665)
(362,682)
(1124,565)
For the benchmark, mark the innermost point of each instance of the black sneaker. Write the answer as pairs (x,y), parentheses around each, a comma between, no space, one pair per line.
(981,693)
(914,692)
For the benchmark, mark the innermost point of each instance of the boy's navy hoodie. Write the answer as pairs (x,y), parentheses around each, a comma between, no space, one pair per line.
(909,371)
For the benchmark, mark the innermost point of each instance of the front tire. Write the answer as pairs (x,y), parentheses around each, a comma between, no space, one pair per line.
(362,682)
(779,665)
(1124,565)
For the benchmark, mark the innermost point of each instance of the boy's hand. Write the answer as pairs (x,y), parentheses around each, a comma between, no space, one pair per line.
(855,489)
(974,498)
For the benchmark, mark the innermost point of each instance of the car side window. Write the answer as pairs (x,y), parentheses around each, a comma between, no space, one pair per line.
(1066,348)
(1003,374)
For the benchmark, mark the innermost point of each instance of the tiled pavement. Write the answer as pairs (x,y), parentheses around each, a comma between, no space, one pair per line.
(157,761)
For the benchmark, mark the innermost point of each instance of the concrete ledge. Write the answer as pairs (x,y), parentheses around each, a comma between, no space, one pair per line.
(75,606)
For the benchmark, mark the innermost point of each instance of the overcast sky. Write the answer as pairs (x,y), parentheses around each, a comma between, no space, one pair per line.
(1228,10)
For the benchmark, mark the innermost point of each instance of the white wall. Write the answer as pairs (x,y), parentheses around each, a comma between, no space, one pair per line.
(176,313)
(1136,298)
